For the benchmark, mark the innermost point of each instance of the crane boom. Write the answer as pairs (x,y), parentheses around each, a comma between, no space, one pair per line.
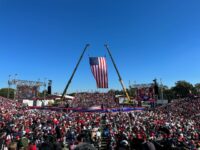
(68,83)
(120,79)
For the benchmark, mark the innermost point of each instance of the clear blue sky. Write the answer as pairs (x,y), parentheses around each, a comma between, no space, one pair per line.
(148,39)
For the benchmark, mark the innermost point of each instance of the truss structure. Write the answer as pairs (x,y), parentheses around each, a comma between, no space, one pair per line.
(26,82)
(138,86)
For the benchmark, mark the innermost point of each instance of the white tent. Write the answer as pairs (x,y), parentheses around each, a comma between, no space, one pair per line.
(67,97)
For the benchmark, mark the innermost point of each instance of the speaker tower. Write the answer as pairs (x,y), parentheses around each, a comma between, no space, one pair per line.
(49,87)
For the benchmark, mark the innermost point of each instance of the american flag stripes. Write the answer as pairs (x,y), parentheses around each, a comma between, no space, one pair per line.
(99,70)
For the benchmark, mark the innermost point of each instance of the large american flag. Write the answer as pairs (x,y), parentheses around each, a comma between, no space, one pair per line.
(99,70)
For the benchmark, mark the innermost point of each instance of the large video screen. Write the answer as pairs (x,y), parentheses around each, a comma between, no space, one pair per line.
(145,93)
(27,92)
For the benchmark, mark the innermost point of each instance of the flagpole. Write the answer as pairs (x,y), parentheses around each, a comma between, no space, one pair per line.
(68,83)
(120,79)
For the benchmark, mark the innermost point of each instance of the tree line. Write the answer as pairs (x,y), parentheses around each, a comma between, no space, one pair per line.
(181,89)
(10,92)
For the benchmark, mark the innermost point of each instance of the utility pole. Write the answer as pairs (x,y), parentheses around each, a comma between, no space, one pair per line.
(120,79)
(161,88)
(15,81)
(9,83)
(44,88)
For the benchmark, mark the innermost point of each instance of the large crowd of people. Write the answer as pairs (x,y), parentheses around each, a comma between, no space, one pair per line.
(85,100)
(173,126)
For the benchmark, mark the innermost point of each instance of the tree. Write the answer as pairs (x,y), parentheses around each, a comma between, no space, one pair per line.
(183,89)
(116,92)
(41,94)
(169,94)
(73,94)
(111,91)
(131,91)
(4,92)
(197,88)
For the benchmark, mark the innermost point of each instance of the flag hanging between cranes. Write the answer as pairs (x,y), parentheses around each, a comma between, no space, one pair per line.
(99,70)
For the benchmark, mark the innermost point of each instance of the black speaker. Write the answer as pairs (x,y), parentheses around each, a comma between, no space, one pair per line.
(156,90)
(49,90)
(49,87)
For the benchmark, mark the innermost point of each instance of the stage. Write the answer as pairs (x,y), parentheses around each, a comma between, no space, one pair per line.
(90,109)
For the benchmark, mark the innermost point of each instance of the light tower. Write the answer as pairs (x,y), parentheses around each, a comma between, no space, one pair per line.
(9,84)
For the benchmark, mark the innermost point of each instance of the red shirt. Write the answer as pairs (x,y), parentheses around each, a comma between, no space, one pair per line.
(32,147)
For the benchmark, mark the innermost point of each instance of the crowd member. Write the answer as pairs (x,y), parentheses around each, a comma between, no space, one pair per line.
(85,100)
(83,145)
(174,126)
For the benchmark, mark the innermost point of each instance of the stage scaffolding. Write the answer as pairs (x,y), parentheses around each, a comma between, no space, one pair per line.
(25,89)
